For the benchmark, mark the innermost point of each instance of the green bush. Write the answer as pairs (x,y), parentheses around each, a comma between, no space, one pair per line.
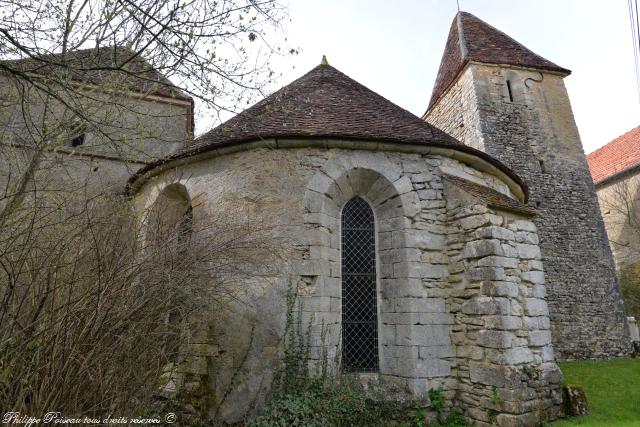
(345,402)
(453,419)
(300,398)
(290,410)
(341,403)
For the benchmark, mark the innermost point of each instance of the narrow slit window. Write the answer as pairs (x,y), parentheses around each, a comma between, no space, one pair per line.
(510,91)
(359,296)
(78,140)
(185,227)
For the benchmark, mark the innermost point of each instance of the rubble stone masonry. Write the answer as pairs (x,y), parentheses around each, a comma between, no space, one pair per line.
(461,294)
(532,130)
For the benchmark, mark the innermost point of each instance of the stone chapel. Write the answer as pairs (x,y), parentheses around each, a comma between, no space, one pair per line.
(463,250)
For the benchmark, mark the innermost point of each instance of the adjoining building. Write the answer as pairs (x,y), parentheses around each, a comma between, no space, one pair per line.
(614,169)
(92,118)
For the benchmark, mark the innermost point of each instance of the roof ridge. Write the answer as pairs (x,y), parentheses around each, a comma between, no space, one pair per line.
(461,40)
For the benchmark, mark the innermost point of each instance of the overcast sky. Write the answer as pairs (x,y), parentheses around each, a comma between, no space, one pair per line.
(394,48)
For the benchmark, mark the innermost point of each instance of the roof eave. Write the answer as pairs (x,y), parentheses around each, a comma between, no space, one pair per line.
(135,182)
(611,179)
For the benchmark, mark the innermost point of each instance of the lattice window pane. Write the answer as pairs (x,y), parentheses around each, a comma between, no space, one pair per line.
(359,299)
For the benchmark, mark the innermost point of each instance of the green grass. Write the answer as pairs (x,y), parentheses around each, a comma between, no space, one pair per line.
(613,392)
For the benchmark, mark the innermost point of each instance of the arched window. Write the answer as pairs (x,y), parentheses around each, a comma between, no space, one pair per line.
(359,297)
(170,228)
(171,217)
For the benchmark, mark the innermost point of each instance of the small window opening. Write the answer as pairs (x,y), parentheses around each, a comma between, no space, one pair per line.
(509,90)
(171,226)
(78,140)
(542,168)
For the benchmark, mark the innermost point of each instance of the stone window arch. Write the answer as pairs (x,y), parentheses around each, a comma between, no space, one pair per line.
(400,292)
(171,216)
(169,233)
(359,288)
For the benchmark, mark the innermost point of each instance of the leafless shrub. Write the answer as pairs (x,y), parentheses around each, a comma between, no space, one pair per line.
(215,51)
(70,68)
(94,303)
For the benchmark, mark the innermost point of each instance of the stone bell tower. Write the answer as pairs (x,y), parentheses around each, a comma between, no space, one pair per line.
(494,94)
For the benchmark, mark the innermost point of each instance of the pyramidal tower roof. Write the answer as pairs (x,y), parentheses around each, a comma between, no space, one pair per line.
(472,39)
(325,103)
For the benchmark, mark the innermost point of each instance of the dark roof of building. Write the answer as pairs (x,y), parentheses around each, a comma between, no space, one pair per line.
(326,104)
(620,155)
(97,65)
(493,198)
(472,39)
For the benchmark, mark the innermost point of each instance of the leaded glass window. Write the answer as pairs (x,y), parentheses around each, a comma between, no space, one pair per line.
(359,298)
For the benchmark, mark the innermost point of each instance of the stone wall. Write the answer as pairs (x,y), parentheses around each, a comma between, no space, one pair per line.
(535,134)
(506,367)
(65,171)
(125,132)
(457,112)
(460,285)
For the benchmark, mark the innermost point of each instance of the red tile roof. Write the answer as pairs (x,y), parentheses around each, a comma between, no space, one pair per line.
(619,155)
(472,39)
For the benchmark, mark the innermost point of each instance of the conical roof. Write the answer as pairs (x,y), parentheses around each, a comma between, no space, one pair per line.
(325,103)
(472,39)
